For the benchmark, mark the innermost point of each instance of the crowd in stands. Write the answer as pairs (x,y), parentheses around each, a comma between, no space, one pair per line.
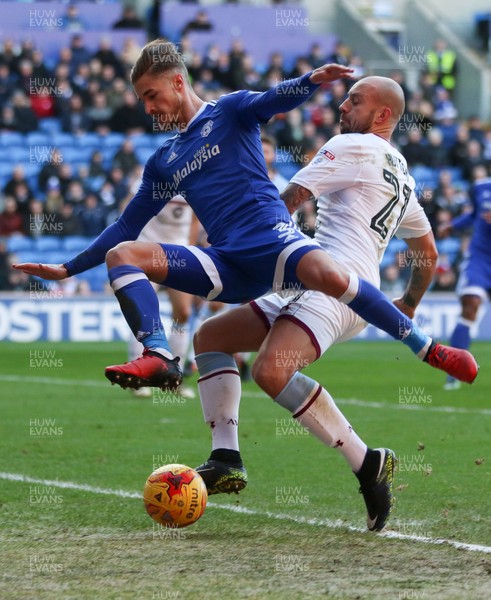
(88,97)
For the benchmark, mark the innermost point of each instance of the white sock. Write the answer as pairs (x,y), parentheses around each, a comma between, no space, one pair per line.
(320,415)
(135,348)
(178,341)
(220,398)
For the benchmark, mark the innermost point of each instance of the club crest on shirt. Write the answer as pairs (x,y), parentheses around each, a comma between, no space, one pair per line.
(206,129)
(328,154)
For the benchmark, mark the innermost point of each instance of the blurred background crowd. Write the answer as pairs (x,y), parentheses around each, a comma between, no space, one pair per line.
(73,139)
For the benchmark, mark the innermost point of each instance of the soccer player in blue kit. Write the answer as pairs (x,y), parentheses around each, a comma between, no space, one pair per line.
(215,162)
(474,285)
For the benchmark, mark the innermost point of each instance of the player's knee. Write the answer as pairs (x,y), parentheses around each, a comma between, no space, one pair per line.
(181,315)
(270,375)
(203,339)
(119,255)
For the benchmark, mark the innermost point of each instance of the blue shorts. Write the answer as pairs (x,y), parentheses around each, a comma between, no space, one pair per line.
(265,260)
(475,277)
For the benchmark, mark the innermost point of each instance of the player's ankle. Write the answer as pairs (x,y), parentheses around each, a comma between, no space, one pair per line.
(370,467)
(225,455)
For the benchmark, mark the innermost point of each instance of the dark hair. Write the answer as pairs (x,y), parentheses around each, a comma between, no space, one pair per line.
(158,56)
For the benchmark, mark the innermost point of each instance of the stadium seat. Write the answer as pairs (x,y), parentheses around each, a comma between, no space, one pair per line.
(396,246)
(19,154)
(75,243)
(112,140)
(6,170)
(425,175)
(47,243)
(20,243)
(50,126)
(10,138)
(63,139)
(449,246)
(144,153)
(36,138)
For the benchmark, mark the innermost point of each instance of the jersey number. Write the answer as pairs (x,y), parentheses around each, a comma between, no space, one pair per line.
(378,221)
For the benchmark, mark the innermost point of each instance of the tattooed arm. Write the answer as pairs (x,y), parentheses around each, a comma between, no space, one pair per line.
(294,196)
(423,255)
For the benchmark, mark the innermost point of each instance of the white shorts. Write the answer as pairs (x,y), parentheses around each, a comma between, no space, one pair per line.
(325,320)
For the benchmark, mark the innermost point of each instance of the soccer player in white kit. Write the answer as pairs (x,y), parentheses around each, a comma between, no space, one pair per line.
(365,195)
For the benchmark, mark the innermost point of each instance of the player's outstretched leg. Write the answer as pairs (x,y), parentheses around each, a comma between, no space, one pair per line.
(140,307)
(313,407)
(318,272)
(219,390)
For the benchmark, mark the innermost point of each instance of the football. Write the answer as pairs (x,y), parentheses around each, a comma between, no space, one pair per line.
(175,495)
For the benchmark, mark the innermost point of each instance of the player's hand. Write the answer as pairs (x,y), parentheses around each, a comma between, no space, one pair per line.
(54,272)
(403,307)
(331,72)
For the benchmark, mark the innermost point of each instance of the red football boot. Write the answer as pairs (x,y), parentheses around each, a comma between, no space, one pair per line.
(458,363)
(150,370)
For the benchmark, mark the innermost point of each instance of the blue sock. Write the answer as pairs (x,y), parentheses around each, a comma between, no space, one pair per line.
(140,307)
(378,310)
(461,336)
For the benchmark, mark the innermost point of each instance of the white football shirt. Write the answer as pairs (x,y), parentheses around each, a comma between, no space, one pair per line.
(364,194)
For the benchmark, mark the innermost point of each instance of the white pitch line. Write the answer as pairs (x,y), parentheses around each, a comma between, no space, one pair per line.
(253,394)
(248,511)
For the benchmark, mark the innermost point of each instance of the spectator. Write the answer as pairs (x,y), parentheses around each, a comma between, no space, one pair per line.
(50,169)
(80,54)
(92,216)
(54,198)
(11,220)
(35,222)
(70,224)
(129,20)
(71,20)
(96,165)
(100,114)
(130,118)
(10,55)
(458,151)
(436,155)
(75,119)
(201,22)
(125,157)
(473,159)
(24,116)
(7,83)
(4,266)
(43,103)
(441,66)
(18,176)
(269,151)
(39,70)
(115,95)
(106,55)
(119,183)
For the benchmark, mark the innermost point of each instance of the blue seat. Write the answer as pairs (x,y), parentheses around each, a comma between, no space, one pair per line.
(113,140)
(20,243)
(50,125)
(6,169)
(36,138)
(144,153)
(89,140)
(75,243)
(19,154)
(63,139)
(11,138)
(449,246)
(28,256)
(396,246)
(51,257)
(47,243)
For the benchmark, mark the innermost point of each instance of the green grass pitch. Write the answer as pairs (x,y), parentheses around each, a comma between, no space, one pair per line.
(297,531)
